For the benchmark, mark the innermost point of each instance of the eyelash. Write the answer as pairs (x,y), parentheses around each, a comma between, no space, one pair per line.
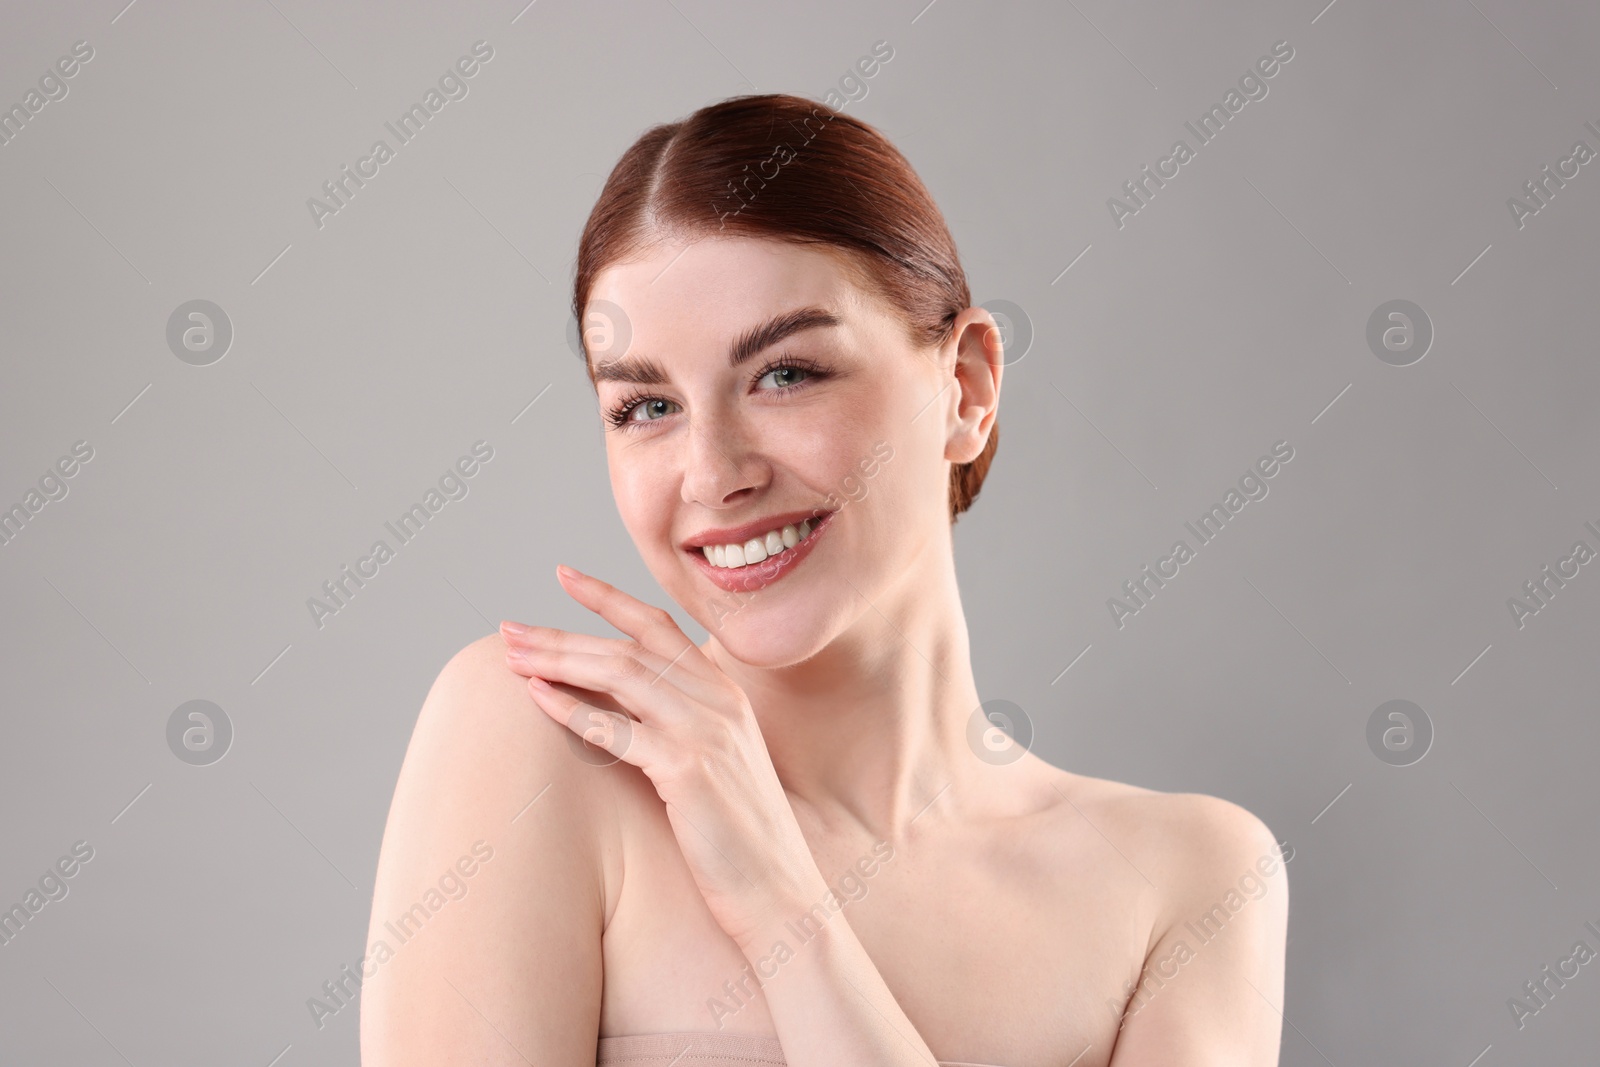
(620,415)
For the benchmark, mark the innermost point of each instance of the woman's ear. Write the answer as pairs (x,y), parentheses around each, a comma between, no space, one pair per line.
(979,361)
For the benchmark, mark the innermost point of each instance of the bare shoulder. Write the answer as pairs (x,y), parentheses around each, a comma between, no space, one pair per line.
(1186,844)
(489,900)
(1206,987)
(482,750)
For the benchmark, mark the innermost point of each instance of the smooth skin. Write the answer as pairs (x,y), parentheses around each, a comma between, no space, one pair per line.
(817,742)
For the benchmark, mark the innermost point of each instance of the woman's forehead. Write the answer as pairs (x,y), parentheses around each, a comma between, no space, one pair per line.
(680,278)
(709,291)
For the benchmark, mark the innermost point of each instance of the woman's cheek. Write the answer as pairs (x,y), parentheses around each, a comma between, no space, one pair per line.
(632,485)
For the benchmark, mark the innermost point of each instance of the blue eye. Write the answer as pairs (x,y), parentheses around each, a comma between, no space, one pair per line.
(785,374)
(622,415)
(788,371)
(653,408)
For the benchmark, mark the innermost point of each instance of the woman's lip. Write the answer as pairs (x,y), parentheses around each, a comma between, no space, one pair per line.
(738,535)
(753,576)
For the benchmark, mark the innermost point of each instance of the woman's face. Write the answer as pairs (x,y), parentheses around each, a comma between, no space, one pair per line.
(837,419)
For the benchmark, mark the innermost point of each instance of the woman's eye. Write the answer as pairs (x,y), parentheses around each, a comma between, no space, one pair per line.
(653,410)
(783,377)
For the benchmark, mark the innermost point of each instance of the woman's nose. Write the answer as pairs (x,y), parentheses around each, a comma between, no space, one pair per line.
(720,462)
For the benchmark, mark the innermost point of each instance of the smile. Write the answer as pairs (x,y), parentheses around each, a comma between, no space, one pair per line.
(760,560)
(771,543)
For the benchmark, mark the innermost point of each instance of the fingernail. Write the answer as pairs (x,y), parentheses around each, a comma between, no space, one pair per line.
(567,572)
(512,627)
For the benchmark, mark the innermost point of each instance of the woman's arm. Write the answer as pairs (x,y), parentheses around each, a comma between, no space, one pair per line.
(828,1001)
(1210,993)
(697,739)
(502,965)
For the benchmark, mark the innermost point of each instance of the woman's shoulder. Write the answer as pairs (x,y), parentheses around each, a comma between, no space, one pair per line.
(495,842)
(480,709)
(485,760)
(1163,817)
(479,726)
(1182,843)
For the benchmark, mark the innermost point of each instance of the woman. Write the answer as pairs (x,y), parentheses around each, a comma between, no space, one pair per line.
(800,842)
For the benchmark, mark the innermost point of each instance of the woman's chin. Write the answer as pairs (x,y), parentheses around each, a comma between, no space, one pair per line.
(768,643)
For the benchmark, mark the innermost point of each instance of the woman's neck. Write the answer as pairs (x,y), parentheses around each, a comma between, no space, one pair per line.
(873,729)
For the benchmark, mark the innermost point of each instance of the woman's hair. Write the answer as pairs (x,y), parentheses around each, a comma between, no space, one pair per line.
(783,167)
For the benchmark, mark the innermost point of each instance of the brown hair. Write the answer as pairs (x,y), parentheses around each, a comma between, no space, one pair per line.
(780,166)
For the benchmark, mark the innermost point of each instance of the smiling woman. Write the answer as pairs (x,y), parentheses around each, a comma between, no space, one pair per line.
(672,901)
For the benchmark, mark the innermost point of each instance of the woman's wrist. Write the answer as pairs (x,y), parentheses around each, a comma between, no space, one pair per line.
(827,999)
(788,916)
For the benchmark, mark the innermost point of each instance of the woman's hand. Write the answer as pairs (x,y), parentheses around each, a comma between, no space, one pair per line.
(692,731)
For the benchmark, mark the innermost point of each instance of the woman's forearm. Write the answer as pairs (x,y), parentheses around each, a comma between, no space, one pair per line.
(828,1002)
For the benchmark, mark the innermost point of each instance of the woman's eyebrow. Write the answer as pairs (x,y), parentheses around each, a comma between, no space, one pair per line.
(776,329)
(641,370)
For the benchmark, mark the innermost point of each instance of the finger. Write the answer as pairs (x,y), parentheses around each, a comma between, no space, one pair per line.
(593,728)
(644,688)
(549,638)
(566,640)
(650,626)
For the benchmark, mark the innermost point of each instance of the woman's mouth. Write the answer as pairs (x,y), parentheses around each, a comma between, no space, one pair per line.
(763,559)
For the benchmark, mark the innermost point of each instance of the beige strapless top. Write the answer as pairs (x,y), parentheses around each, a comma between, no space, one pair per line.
(701,1050)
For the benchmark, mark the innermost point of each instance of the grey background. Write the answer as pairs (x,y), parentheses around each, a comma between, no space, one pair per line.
(369,354)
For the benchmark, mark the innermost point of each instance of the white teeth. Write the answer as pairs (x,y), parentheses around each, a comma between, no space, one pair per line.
(758,548)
